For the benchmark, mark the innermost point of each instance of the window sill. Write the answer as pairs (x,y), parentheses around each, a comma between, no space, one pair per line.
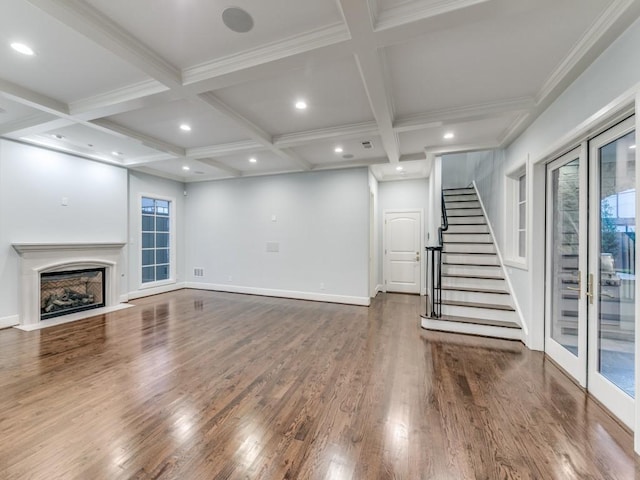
(516,263)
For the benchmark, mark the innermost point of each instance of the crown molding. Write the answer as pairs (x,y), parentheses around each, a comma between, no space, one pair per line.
(513,130)
(33,124)
(343,131)
(312,40)
(364,162)
(469,147)
(32,99)
(159,173)
(418,10)
(581,49)
(234,172)
(438,118)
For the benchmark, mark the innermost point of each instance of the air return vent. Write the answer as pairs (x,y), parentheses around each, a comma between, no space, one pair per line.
(367,144)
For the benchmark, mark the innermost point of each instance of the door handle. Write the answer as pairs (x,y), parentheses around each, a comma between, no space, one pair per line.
(590,289)
(417,256)
(579,287)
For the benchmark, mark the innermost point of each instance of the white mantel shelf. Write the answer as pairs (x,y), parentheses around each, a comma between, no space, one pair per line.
(48,247)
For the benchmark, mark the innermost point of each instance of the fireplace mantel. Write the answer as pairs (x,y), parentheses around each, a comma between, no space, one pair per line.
(37,258)
(22,248)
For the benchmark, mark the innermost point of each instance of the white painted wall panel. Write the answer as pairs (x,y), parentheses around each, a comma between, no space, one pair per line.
(321,226)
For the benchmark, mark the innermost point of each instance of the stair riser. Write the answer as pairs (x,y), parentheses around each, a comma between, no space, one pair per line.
(476,297)
(466,229)
(470,259)
(467,204)
(466,238)
(457,212)
(480,313)
(473,271)
(459,198)
(469,248)
(476,283)
(454,191)
(473,220)
(471,329)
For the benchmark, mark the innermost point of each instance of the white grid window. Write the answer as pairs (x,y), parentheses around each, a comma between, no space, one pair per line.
(156,240)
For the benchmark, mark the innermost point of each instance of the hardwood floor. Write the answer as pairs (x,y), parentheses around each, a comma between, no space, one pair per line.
(203,385)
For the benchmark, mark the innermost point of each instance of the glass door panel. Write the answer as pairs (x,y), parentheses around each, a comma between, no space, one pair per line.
(566,264)
(612,270)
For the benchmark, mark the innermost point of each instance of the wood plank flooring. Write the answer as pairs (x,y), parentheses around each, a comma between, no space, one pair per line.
(203,385)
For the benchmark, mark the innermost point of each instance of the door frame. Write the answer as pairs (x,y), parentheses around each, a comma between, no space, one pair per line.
(420,211)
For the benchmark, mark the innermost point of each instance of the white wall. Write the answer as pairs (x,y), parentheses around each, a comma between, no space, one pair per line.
(33,182)
(141,184)
(374,243)
(321,227)
(403,194)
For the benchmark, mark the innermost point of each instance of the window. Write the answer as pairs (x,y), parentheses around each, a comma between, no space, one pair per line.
(156,240)
(522,216)
(516,216)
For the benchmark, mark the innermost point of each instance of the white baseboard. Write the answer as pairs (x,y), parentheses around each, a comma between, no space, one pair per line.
(379,288)
(124,298)
(268,292)
(10,321)
(146,292)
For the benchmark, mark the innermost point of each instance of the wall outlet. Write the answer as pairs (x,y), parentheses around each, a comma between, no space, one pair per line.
(198,272)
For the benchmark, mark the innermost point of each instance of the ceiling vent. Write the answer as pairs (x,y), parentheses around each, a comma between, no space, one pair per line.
(347,156)
(367,144)
(237,19)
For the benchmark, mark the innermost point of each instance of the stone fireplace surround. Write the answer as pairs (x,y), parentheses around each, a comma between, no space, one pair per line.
(38,258)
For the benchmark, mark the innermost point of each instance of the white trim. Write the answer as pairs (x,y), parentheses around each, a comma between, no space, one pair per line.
(72,317)
(147,292)
(48,247)
(408,12)
(9,321)
(472,329)
(507,279)
(516,264)
(172,241)
(269,292)
(379,288)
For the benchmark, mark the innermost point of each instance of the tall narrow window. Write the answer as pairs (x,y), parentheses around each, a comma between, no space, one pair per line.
(522,216)
(156,240)
(516,218)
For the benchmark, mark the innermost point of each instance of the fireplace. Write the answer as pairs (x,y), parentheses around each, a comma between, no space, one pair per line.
(71,291)
(75,266)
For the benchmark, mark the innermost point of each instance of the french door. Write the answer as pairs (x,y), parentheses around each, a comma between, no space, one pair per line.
(591,264)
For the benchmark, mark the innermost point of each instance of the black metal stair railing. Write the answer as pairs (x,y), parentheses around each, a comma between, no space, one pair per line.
(434,267)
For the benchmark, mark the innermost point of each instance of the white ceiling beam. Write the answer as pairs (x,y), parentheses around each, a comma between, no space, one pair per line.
(354,130)
(358,18)
(224,149)
(212,162)
(469,147)
(415,10)
(33,125)
(32,99)
(154,143)
(351,163)
(85,19)
(438,118)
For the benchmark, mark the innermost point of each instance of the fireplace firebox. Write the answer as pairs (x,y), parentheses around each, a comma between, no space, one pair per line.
(62,293)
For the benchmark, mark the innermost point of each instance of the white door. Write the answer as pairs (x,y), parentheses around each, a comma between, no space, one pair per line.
(566,307)
(402,251)
(591,267)
(612,270)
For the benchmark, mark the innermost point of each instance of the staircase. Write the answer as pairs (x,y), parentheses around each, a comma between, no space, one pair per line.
(475,296)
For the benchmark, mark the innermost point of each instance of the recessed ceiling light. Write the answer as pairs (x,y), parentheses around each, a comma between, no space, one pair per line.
(399,168)
(301,105)
(22,48)
(253,160)
(117,154)
(338,150)
(185,167)
(58,136)
(185,127)
(632,147)
(448,135)
(237,19)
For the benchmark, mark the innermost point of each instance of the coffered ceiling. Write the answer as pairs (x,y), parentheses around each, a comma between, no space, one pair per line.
(382,80)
